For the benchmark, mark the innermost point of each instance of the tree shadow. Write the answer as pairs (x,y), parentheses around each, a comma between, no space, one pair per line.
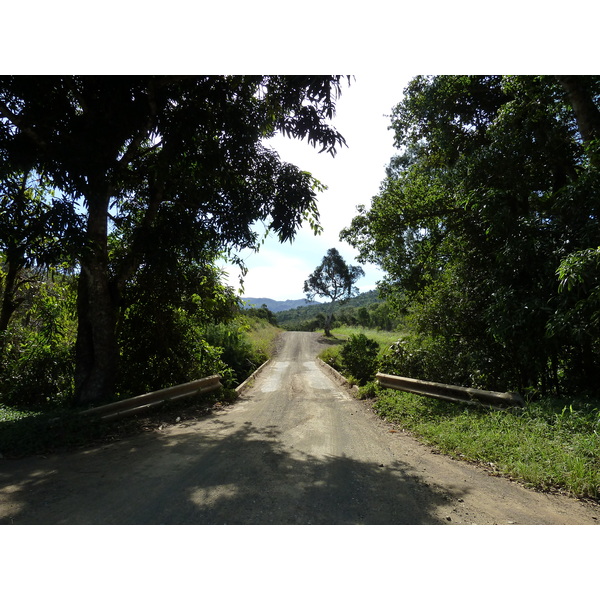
(226,474)
(330,341)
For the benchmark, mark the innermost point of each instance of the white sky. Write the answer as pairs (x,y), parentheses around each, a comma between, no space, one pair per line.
(352,177)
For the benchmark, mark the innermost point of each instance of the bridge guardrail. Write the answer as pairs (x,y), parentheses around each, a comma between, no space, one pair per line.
(143,402)
(452,393)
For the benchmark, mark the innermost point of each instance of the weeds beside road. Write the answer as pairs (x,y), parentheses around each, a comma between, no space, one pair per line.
(553,444)
(547,445)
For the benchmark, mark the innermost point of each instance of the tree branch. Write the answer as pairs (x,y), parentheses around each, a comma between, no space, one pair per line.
(586,112)
(17,122)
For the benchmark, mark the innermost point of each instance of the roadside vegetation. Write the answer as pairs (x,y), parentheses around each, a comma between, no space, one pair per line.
(32,424)
(553,444)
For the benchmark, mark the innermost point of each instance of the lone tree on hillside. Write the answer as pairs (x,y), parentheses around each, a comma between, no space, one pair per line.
(333,279)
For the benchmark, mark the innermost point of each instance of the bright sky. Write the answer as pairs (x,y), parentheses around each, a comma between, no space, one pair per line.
(352,177)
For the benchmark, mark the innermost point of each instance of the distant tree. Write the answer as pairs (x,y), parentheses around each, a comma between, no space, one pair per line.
(262,313)
(333,279)
(364,318)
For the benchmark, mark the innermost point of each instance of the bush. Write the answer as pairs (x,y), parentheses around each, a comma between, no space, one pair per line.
(359,357)
(38,351)
(235,348)
(164,348)
(36,374)
(444,360)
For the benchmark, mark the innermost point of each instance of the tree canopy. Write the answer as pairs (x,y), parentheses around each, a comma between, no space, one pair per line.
(483,226)
(146,158)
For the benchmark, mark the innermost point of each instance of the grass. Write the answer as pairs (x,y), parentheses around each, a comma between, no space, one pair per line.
(549,445)
(262,336)
(383,338)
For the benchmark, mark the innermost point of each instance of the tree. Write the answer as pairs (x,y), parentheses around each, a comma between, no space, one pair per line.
(496,185)
(332,279)
(36,232)
(128,149)
(583,96)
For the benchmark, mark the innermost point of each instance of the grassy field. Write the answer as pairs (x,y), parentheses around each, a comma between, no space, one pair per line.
(383,338)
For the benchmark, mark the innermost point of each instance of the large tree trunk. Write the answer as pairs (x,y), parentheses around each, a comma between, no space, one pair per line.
(586,112)
(329,322)
(96,347)
(8,295)
(9,305)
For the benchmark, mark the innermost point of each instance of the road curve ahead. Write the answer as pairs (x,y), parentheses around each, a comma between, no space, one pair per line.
(295,449)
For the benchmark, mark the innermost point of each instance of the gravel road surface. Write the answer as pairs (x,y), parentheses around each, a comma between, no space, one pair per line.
(296,448)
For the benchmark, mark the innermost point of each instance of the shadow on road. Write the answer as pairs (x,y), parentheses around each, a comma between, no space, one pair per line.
(226,474)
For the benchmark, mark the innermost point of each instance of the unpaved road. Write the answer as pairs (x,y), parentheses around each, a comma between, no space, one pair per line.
(295,449)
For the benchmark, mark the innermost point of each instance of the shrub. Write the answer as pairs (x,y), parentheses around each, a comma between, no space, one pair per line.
(36,374)
(38,350)
(359,357)
(235,348)
(164,348)
(442,359)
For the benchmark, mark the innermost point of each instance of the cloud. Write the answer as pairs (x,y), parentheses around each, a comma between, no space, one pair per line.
(273,273)
(278,271)
(352,177)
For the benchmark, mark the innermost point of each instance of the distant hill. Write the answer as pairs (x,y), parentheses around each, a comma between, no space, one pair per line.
(277,305)
(305,315)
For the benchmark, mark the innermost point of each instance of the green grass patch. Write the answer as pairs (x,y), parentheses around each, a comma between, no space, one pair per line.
(549,445)
(383,338)
(9,413)
(262,336)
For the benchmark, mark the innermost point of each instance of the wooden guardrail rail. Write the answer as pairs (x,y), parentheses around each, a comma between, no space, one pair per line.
(453,393)
(143,402)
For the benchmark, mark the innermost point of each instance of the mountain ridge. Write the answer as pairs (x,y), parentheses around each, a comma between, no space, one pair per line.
(276,305)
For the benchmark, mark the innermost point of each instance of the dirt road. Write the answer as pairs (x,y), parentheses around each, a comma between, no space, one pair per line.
(295,449)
